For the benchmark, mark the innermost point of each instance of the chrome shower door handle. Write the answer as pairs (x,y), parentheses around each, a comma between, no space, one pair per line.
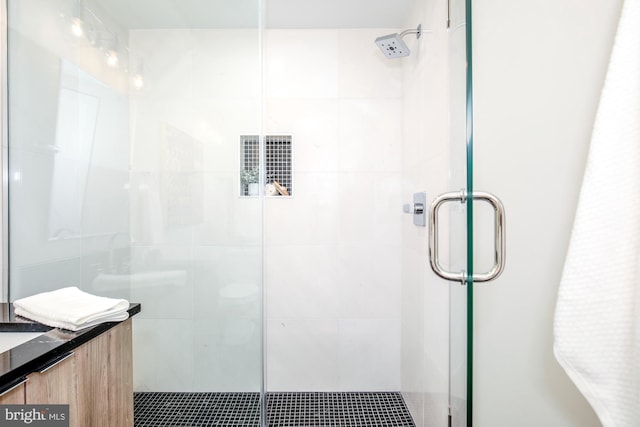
(499,237)
(434,259)
(499,241)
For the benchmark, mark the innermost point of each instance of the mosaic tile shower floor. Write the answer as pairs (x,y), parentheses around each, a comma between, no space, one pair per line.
(283,410)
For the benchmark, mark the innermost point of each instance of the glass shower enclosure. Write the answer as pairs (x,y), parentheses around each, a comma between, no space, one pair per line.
(239,169)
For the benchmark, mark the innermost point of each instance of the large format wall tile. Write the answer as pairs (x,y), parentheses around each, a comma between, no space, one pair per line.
(304,282)
(162,356)
(301,64)
(370,135)
(369,354)
(364,71)
(302,355)
(313,124)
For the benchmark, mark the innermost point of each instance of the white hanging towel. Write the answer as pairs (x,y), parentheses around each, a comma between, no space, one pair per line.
(597,319)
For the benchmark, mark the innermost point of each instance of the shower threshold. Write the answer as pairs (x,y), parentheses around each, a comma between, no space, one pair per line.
(300,409)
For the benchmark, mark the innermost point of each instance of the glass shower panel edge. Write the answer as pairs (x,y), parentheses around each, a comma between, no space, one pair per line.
(460,180)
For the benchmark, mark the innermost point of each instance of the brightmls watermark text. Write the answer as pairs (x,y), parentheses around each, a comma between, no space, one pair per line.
(34,415)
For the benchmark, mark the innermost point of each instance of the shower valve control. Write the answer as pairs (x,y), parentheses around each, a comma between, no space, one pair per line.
(413,208)
(417,209)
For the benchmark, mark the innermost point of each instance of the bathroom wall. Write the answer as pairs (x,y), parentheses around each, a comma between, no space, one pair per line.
(333,254)
(332,266)
(539,68)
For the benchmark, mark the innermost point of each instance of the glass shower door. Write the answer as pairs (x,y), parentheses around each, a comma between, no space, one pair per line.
(460,294)
(463,214)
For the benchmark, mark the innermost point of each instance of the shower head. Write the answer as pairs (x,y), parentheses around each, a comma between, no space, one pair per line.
(392,45)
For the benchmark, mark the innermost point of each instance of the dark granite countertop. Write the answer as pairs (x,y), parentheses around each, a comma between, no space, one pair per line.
(33,355)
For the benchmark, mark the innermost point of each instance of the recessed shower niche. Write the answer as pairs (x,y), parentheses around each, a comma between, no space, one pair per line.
(278,165)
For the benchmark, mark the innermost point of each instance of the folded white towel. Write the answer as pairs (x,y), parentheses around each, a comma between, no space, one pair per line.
(70,308)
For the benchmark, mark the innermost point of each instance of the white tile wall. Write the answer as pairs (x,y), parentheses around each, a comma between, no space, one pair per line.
(301,63)
(303,281)
(364,72)
(218,123)
(311,217)
(162,281)
(190,230)
(159,346)
(369,354)
(146,121)
(303,354)
(167,58)
(225,66)
(332,252)
(313,123)
(216,268)
(371,209)
(227,356)
(370,135)
(368,282)
(227,218)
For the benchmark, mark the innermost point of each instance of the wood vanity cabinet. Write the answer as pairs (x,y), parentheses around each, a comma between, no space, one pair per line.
(13,397)
(96,381)
(64,382)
